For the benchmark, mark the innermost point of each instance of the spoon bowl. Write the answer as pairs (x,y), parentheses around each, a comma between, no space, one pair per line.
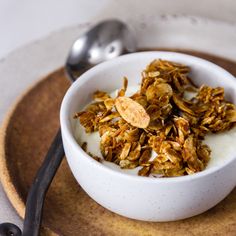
(105,41)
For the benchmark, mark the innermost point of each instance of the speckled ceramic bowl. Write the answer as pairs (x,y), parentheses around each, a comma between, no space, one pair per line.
(143,198)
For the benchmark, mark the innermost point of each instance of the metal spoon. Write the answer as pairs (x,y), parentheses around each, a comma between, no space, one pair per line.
(104,41)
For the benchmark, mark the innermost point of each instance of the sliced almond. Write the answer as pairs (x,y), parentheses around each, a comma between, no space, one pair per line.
(132,112)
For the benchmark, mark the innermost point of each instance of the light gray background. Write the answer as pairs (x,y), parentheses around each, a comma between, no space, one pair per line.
(24,22)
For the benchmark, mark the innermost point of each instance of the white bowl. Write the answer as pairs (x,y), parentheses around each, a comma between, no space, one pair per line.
(143,198)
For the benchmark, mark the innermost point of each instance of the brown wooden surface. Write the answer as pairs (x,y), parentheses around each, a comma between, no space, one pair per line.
(25,138)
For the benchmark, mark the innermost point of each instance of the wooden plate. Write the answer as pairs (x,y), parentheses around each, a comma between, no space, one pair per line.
(25,137)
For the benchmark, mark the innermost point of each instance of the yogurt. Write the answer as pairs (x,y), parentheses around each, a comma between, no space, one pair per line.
(222,145)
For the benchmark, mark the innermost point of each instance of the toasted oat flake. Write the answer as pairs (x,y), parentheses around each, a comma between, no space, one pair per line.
(132,112)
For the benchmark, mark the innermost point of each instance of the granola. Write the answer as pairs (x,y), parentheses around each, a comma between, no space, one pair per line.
(157,128)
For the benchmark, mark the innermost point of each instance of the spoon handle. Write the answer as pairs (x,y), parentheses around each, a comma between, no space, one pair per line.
(37,192)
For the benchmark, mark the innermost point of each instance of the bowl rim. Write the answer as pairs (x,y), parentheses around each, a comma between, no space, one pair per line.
(66,133)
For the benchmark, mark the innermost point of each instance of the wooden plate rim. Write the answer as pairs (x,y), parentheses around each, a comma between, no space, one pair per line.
(5,176)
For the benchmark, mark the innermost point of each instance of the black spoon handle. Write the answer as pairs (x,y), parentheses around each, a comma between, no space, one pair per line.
(37,192)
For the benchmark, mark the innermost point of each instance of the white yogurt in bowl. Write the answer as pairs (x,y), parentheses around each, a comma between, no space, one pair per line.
(222,145)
